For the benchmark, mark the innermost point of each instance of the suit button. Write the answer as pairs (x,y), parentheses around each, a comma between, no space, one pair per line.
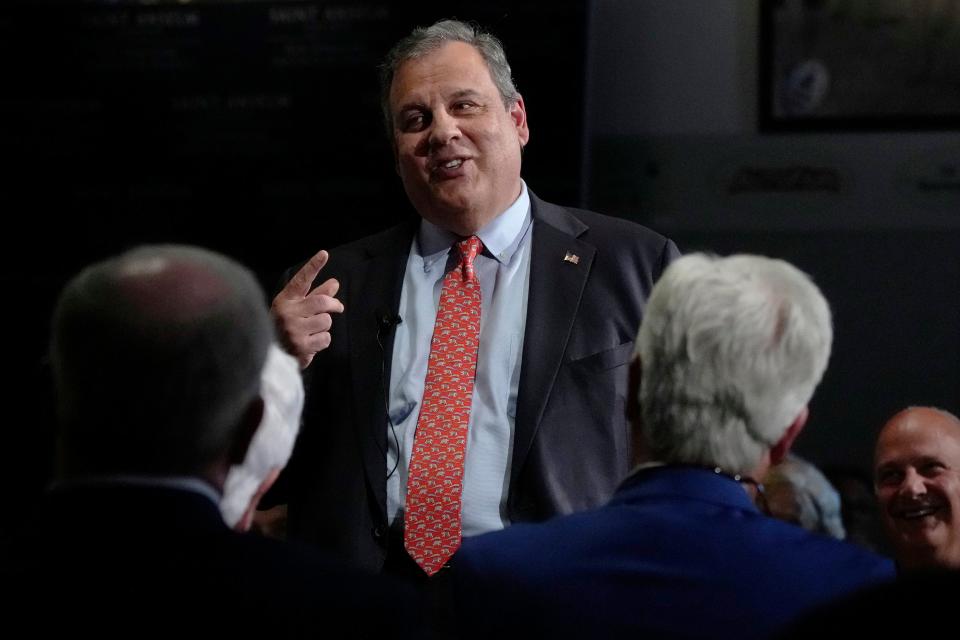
(378,533)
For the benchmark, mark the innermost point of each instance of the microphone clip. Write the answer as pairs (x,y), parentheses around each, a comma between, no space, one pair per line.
(387,321)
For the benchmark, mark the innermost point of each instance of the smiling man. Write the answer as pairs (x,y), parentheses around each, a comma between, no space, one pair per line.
(917,476)
(476,369)
(457,143)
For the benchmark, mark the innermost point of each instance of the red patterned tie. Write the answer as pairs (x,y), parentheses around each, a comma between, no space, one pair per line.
(435,481)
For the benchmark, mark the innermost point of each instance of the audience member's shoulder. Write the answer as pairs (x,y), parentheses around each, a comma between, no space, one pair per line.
(526,554)
(816,559)
(488,552)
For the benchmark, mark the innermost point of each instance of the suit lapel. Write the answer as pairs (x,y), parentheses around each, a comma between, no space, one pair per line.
(375,286)
(559,266)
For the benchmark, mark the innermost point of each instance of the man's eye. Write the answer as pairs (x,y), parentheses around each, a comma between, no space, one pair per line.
(931,468)
(889,477)
(413,122)
(464,106)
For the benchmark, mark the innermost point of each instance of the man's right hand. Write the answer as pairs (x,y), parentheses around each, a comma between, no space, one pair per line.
(303,316)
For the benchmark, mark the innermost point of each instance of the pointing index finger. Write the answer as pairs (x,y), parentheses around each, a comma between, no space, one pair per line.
(299,284)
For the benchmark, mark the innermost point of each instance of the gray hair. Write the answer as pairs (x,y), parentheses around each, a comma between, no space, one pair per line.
(157,355)
(732,350)
(796,491)
(425,40)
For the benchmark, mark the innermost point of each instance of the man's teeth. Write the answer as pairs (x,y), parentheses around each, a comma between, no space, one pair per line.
(453,164)
(919,513)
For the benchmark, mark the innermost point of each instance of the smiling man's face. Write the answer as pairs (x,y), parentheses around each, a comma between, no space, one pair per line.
(457,146)
(917,477)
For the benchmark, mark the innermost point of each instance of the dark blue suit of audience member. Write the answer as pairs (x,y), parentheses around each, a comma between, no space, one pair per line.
(678,552)
(122,561)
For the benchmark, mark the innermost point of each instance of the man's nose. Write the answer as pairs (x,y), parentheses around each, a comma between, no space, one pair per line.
(913,483)
(443,129)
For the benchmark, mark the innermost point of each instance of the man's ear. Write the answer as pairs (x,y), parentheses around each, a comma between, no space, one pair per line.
(518,113)
(779,451)
(249,423)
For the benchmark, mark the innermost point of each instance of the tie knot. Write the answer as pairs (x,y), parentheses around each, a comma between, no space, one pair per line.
(469,249)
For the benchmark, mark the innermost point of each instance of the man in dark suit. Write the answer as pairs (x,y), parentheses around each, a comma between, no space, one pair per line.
(562,291)
(157,357)
(728,355)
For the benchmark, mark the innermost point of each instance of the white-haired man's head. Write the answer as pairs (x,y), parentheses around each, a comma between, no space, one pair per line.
(283,396)
(731,351)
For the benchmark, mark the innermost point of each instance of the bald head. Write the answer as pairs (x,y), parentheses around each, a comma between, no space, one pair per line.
(917,478)
(173,285)
(913,418)
(157,357)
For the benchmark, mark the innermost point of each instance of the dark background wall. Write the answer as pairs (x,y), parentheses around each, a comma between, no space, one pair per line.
(254,128)
(869,207)
(251,127)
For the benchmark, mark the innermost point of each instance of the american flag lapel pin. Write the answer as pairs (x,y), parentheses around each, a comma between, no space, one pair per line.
(572,258)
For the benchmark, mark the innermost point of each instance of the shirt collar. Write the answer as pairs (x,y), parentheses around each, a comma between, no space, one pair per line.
(501,236)
(697,483)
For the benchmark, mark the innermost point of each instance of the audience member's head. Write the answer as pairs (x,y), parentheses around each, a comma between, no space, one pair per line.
(731,350)
(157,357)
(728,355)
(796,491)
(917,479)
(270,449)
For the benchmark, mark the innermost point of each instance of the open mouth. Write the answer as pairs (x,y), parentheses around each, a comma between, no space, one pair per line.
(917,511)
(447,168)
(915,514)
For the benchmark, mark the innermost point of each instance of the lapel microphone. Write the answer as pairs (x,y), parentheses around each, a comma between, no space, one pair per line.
(387,320)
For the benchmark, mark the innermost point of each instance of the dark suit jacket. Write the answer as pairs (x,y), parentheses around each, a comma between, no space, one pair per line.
(129,562)
(571,441)
(678,552)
